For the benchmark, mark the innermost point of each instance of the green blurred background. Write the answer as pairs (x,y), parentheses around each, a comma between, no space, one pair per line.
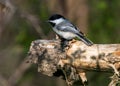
(22,21)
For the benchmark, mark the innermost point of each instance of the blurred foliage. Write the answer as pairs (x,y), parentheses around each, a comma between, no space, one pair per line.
(17,34)
(104,21)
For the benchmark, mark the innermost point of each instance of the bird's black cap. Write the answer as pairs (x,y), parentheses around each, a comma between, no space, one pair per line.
(55,16)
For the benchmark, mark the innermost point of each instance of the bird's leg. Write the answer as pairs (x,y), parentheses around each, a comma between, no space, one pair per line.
(64,44)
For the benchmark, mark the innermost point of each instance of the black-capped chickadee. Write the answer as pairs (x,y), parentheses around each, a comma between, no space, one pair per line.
(66,30)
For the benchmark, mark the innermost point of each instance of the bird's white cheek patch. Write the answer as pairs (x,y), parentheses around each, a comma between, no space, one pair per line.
(58,21)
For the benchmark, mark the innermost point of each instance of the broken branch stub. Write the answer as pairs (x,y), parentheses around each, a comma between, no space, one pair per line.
(46,54)
(98,57)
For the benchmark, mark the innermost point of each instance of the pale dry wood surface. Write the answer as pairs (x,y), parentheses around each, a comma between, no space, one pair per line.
(79,57)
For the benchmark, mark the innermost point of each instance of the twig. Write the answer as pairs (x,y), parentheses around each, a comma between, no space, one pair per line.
(18,73)
(35,23)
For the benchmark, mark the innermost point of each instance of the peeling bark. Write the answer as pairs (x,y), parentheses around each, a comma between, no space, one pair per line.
(76,60)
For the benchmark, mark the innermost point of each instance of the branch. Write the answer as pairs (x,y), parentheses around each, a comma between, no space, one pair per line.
(76,60)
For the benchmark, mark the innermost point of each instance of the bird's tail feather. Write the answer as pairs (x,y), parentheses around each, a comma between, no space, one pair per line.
(85,40)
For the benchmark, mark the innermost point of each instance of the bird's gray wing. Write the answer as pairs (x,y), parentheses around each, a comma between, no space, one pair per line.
(68,27)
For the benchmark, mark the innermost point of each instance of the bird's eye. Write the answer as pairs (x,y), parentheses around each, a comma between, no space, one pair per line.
(53,24)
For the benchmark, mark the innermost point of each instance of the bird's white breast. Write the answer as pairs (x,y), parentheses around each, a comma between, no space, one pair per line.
(66,35)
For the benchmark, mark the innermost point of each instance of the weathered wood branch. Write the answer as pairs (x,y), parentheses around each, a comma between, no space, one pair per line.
(76,59)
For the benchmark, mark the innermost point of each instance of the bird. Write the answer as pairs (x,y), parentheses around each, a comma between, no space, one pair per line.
(66,30)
